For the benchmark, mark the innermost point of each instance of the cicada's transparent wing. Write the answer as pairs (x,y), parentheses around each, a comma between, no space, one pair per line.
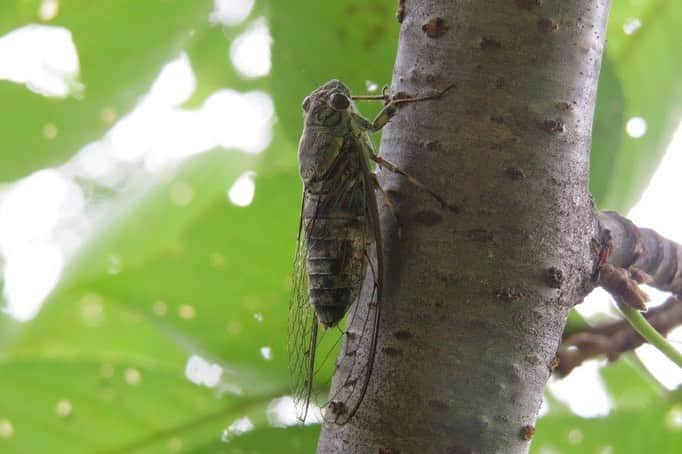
(302,330)
(356,359)
(310,349)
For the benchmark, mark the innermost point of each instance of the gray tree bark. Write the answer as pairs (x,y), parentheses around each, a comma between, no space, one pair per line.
(476,301)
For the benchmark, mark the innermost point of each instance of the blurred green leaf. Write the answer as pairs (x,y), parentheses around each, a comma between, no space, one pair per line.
(629,386)
(607,131)
(83,405)
(648,63)
(354,41)
(121,45)
(651,428)
(206,278)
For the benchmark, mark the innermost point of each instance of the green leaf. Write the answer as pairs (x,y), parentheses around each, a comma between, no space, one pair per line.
(629,385)
(648,64)
(651,428)
(121,46)
(608,131)
(317,41)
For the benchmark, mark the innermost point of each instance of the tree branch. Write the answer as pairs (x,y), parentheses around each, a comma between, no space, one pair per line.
(614,338)
(475,301)
(643,250)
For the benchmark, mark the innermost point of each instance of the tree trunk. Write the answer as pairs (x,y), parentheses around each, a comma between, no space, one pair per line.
(476,301)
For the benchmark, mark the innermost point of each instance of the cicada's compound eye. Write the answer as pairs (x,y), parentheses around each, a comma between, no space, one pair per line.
(339,101)
(306,104)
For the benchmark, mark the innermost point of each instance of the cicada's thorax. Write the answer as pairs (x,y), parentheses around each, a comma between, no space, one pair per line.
(336,231)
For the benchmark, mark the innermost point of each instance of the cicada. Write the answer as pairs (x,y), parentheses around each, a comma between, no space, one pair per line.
(339,243)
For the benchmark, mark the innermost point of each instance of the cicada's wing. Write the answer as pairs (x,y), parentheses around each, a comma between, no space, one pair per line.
(356,359)
(302,329)
(309,352)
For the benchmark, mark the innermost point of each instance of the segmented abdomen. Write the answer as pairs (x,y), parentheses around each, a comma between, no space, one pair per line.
(336,242)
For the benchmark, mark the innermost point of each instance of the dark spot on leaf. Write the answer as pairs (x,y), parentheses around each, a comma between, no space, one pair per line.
(514,173)
(555,277)
(427,217)
(373,35)
(480,235)
(391,351)
(351,9)
(548,25)
(553,126)
(402,335)
(435,27)
(438,405)
(527,432)
(490,44)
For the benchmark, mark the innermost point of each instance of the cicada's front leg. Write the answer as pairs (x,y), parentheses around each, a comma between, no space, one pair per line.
(390,109)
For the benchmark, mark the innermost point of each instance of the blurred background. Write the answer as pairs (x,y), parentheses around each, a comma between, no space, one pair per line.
(149,204)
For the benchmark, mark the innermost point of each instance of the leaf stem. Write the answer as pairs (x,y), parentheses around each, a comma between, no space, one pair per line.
(649,333)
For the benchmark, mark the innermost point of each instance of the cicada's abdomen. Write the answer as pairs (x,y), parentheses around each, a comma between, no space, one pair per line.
(336,246)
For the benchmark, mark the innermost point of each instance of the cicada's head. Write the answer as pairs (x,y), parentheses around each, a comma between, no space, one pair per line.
(327,105)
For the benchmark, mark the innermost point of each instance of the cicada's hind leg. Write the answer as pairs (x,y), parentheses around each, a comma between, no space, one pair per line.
(389,203)
(382,163)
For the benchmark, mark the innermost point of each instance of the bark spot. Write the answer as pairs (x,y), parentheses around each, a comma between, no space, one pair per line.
(527,432)
(508,294)
(438,405)
(548,25)
(434,145)
(564,106)
(555,126)
(497,119)
(499,82)
(490,44)
(555,277)
(337,407)
(402,335)
(393,194)
(427,217)
(401,95)
(435,27)
(515,173)
(480,235)
(554,363)
(528,4)
(457,449)
(391,351)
